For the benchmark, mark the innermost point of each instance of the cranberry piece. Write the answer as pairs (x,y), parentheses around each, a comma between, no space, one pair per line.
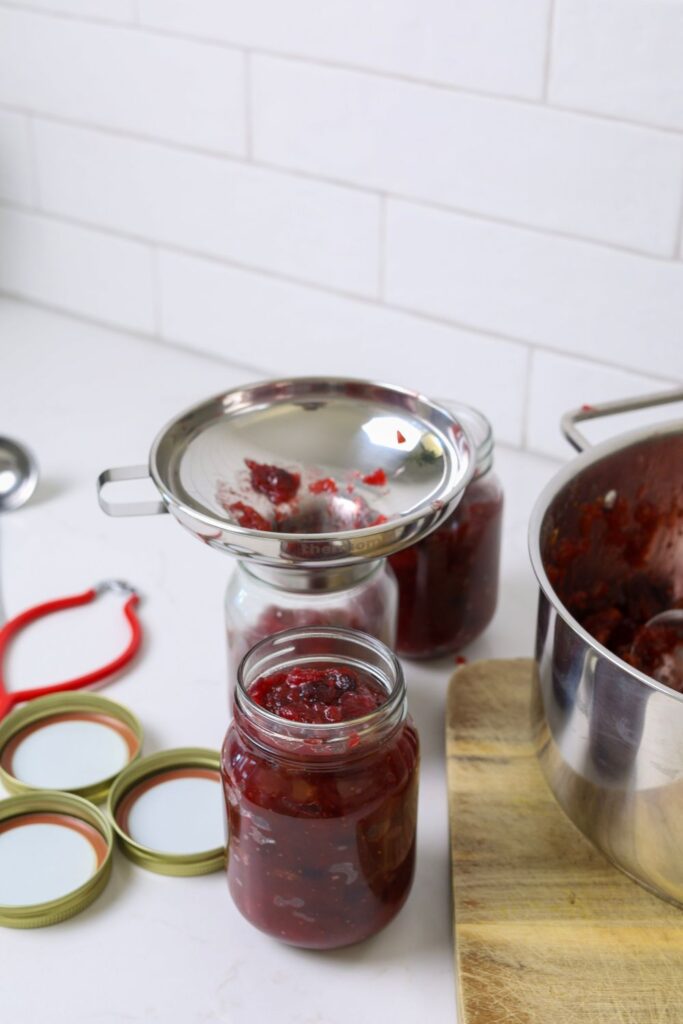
(318,694)
(400,438)
(357,705)
(343,681)
(324,486)
(245,515)
(276,483)
(376,479)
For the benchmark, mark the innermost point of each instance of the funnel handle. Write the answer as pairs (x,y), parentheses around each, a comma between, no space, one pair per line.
(127,508)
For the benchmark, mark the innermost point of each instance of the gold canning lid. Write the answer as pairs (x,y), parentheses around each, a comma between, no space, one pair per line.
(71,742)
(167,811)
(55,857)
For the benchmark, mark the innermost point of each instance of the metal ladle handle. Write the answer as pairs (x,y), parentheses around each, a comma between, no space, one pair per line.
(593,412)
(127,508)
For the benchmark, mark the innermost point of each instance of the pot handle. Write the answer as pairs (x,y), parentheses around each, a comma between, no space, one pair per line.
(127,508)
(593,412)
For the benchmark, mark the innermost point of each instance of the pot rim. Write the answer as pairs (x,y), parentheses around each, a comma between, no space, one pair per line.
(565,475)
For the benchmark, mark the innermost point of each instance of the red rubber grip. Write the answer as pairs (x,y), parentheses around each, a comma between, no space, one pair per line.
(14,626)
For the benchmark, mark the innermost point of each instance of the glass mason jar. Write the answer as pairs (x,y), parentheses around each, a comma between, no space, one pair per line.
(448,581)
(321,817)
(263,600)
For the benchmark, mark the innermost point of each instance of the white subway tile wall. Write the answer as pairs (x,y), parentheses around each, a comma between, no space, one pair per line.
(620,57)
(561,382)
(494,46)
(290,329)
(109,279)
(303,229)
(107,10)
(16,173)
(187,92)
(507,160)
(557,292)
(479,198)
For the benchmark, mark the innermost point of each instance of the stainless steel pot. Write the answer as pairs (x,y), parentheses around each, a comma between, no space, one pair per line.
(610,738)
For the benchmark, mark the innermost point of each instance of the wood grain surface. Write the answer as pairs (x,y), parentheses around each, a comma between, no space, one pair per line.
(547,930)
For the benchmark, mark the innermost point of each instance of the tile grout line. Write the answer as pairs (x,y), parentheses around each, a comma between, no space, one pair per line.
(134,22)
(364,300)
(170,344)
(34,176)
(367,300)
(547,66)
(293,172)
(526,397)
(188,252)
(182,348)
(132,332)
(157,31)
(537,346)
(248,111)
(271,275)
(121,133)
(678,240)
(196,353)
(155,274)
(382,248)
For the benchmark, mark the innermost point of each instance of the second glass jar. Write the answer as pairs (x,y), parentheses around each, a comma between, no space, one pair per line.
(448,582)
(262,601)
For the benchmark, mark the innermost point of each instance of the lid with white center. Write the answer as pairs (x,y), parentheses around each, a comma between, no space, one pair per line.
(167,812)
(55,857)
(73,742)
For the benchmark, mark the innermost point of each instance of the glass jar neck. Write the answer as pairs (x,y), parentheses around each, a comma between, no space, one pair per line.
(484,465)
(311,581)
(321,646)
(480,433)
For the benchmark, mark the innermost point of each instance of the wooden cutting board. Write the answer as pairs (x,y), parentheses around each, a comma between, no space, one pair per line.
(547,930)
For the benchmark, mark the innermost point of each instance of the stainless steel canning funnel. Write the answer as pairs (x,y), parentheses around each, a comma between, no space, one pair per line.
(610,738)
(321,428)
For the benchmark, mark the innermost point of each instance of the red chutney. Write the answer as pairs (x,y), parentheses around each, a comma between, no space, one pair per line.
(318,695)
(326,485)
(602,570)
(448,582)
(658,651)
(276,483)
(321,817)
(378,478)
(246,516)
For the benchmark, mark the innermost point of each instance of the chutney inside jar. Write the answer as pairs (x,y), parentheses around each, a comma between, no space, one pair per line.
(320,775)
(448,581)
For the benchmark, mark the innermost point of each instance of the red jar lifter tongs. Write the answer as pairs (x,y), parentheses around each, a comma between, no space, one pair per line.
(15,625)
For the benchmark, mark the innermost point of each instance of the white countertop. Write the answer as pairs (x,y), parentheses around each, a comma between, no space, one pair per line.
(176,950)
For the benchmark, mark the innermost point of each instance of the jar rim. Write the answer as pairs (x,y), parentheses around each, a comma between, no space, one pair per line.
(284,643)
(479,429)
